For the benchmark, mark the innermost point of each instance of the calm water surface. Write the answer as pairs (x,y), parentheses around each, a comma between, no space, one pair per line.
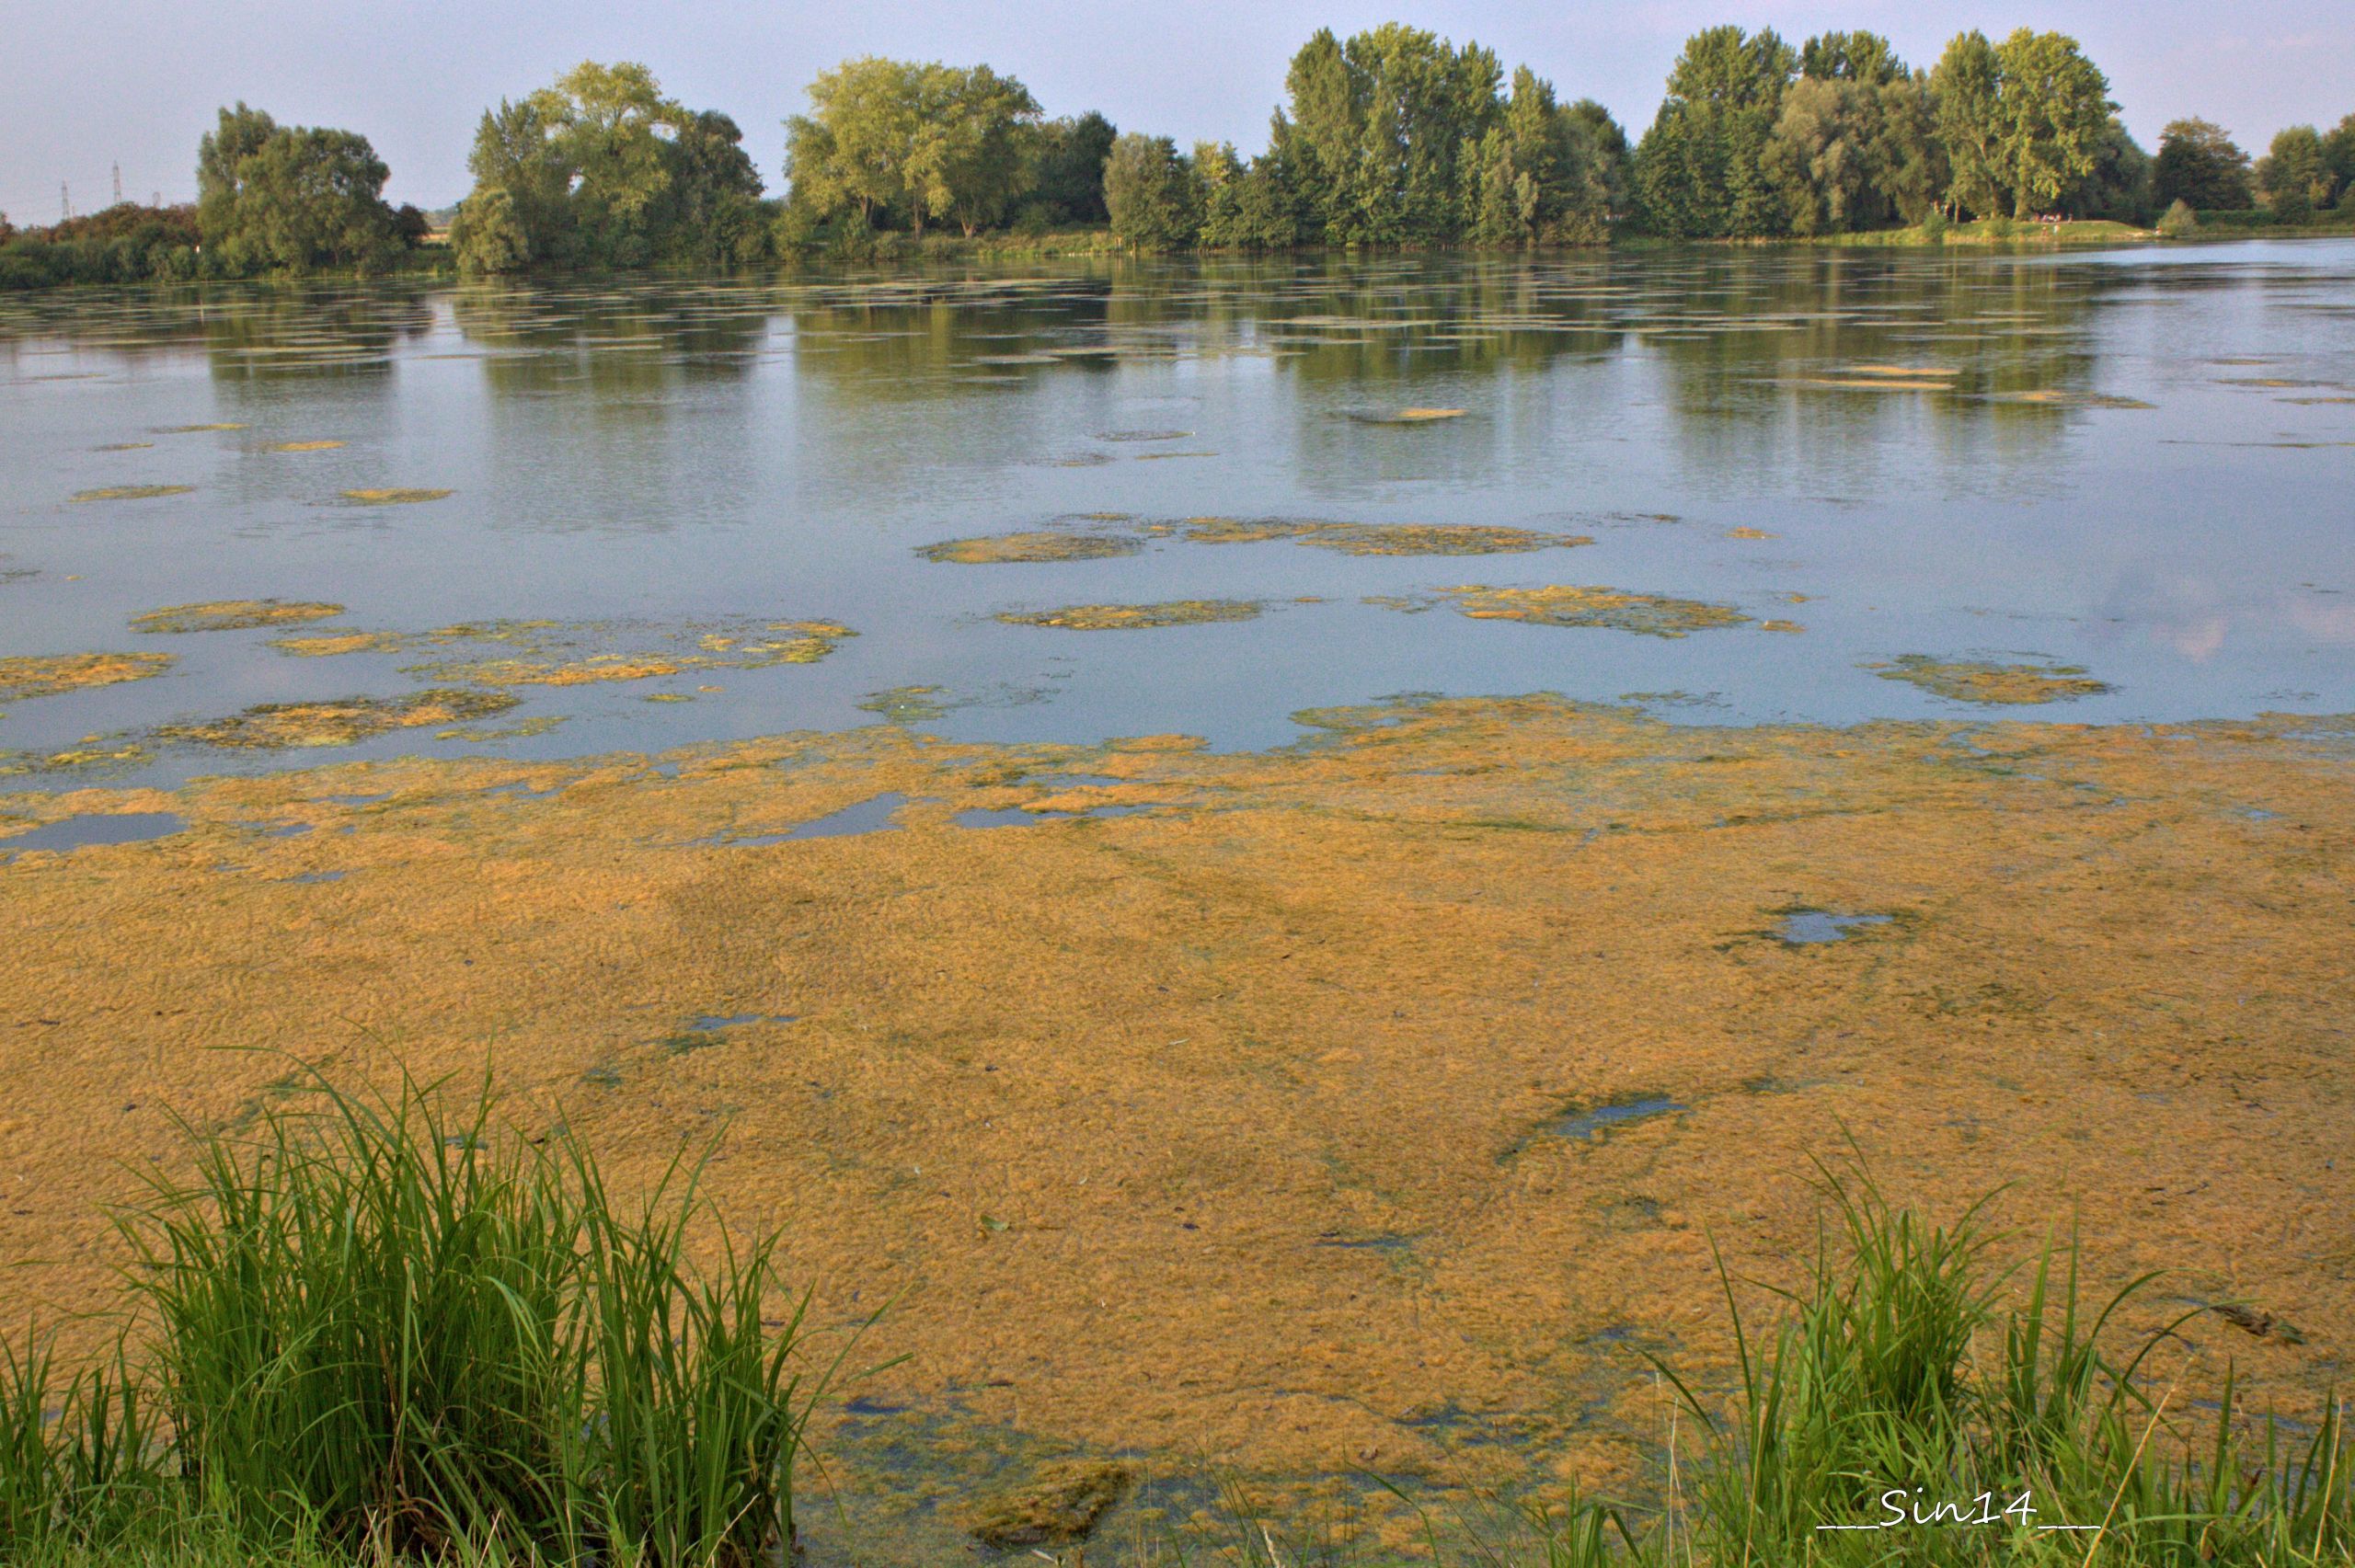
(2142,466)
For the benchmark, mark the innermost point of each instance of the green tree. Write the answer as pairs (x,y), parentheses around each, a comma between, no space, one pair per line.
(1069,167)
(1614,161)
(979,158)
(519,211)
(2055,113)
(1699,169)
(914,143)
(710,211)
(1534,174)
(290,197)
(1851,57)
(1378,130)
(1820,155)
(2199,165)
(2295,174)
(2119,184)
(853,148)
(2338,152)
(1149,190)
(607,127)
(1965,94)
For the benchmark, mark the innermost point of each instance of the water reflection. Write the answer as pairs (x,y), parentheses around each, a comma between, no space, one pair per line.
(2133,463)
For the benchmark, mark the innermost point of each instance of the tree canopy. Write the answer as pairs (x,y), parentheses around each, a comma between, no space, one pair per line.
(600,169)
(2199,164)
(290,197)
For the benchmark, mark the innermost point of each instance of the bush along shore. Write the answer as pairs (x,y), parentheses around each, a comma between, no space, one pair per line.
(1393,137)
(369,1329)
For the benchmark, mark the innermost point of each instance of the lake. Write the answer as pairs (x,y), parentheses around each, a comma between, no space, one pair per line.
(2134,465)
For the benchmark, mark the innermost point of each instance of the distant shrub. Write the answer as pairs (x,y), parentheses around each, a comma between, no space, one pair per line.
(2180,222)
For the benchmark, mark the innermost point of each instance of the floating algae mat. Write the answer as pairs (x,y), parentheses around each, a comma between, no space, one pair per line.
(1380,538)
(1969,682)
(231,614)
(553,653)
(1615,609)
(304,446)
(1130,617)
(342,722)
(1432,981)
(1408,415)
(989,549)
(47,675)
(393,497)
(133,492)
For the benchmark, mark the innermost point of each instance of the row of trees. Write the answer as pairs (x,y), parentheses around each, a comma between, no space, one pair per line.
(1756,138)
(2305,170)
(270,197)
(1392,137)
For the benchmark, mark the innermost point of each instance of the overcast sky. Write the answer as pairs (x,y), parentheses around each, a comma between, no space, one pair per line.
(95,83)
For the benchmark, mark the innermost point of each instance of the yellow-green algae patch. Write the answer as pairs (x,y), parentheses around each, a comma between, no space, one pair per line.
(1619,609)
(1380,538)
(990,549)
(232,614)
(395,497)
(554,653)
(1408,415)
(46,675)
(1974,682)
(197,429)
(343,721)
(1133,618)
(304,446)
(1060,1502)
(327,644)
(95,755)
(125,446)
(1253,1059)
(521,729)
(133,492)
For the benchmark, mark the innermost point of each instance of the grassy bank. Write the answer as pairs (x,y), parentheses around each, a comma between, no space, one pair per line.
(373,1331)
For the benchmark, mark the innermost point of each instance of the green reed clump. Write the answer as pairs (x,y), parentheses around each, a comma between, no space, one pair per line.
(1904,1368)
(79,1453)
(382,1327)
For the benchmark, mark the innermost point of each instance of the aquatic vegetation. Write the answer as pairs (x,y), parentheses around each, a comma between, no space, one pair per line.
(1746,533)
(341,722)
(521,729)
(1408,415)
(1313,997)
(1976,683)
(46,675)
(1615,608)
(1061,1501)
(95,755)
(327,644)
(125,446)
(906,704)
(197,429)
(554,653)
(232,614)
(1867,383)
(1130,617)
(988,549)
(1380,538)
(2060,397)
(133,492)
(304,446)
(393,497)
